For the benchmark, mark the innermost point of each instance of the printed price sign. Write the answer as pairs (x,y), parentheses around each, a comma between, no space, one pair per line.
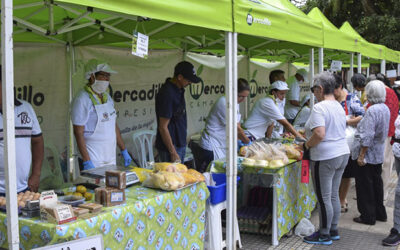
(140,45)
(391,73)
(88,243)
(336,65)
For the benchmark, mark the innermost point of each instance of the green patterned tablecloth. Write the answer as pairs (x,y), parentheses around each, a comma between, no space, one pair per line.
(150,219)
(296,200)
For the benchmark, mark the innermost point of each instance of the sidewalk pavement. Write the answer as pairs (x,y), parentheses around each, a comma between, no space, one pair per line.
(353,235)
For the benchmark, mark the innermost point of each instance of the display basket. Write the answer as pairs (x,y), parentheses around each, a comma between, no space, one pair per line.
(218,192)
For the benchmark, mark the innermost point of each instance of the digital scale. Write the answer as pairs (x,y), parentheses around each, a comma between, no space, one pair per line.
(98,175)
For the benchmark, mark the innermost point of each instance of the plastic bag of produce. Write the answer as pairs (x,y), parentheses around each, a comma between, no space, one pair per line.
(304,228)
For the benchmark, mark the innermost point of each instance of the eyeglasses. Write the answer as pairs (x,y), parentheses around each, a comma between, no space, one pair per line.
(241,96)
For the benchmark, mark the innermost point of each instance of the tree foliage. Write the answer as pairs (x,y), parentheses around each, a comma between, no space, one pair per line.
(378,21)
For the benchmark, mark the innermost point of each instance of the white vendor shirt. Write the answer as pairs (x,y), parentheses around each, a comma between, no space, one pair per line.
(292,95)
(264,112)
(213,137)
(83,112)
(302,117)
(26,127)
(328,114)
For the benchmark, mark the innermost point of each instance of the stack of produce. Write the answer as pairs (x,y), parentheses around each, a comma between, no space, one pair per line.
(272,155)
(81,191)
(171,176)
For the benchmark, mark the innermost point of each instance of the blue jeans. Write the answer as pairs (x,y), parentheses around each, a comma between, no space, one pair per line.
(164,156)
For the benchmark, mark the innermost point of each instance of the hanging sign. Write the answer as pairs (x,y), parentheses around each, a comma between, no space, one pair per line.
(391,73)
(140,44)
(336,65)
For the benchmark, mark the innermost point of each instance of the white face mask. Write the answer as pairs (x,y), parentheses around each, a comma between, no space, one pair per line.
(100,86)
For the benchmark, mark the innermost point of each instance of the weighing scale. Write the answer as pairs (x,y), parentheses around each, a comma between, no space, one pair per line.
(98,175)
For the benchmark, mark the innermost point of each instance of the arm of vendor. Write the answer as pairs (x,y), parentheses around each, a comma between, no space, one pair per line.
(28,143)
(94,120)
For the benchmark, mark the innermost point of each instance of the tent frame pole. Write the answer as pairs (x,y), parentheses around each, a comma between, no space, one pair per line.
(383,66)
(320,60)
(231,132)
(10,169)
(359,63)
(351,72)
(398,69)
(71,166)
(311,75)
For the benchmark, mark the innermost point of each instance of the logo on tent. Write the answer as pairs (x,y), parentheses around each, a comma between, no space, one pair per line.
(253,88)
(253,85)
(196,89)
(249,18)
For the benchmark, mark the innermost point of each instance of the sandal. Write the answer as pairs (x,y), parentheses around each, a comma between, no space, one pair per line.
(344,208)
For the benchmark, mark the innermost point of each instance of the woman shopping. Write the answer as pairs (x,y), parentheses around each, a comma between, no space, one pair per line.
(368,150)
(329,154)
(354,112)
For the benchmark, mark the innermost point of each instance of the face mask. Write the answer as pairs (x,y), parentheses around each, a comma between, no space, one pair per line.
(100,86)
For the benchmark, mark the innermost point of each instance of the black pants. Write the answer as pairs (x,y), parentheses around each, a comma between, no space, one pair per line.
(203,159)
(369,189)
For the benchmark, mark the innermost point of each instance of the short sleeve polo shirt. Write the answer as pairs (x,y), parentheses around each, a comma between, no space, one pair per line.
(170,104)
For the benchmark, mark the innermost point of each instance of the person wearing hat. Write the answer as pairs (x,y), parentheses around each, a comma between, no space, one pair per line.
(304,113)
(293,95)
(171,113)
(94,120)
(266,111)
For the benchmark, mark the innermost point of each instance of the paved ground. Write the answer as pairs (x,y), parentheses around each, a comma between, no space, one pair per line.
(353,235)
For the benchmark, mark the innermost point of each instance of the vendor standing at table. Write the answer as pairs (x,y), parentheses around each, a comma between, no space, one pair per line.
(293,95)
(266,111)
(94,120)
(171,113)
(28,142)
(213,137)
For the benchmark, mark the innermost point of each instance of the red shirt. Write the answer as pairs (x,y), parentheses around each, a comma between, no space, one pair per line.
(393,104)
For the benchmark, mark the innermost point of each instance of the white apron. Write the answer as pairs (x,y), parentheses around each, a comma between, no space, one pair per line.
(278,128)
(101,145)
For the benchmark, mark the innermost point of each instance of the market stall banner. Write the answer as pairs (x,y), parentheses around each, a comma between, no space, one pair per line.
(150,219)
(138,80)
(201,97)
(41,78)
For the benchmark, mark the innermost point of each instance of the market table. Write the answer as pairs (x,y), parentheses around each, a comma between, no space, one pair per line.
(150,219)
(292,200)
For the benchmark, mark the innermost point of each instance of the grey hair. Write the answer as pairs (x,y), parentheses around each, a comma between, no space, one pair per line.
(370,78)
(327,81)
(375,92)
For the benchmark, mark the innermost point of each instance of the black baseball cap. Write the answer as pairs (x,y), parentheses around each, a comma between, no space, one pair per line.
(186,69)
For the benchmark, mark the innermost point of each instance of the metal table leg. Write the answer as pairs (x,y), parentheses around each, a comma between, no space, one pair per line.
(274,238)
